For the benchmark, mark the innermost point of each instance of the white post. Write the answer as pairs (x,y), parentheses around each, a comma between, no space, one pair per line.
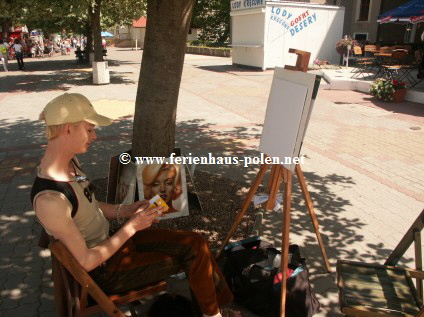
(347,60)
(101,73)
(136,43)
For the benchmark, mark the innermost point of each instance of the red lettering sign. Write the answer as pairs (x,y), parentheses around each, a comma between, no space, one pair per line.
(417,19)
(385,20)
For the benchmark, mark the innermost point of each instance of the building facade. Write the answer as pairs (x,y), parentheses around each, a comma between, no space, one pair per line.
(361,22)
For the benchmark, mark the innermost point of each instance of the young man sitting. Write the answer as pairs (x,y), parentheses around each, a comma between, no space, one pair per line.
(136,254)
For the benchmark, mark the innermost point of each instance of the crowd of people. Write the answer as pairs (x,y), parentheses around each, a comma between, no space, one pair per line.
(34,47)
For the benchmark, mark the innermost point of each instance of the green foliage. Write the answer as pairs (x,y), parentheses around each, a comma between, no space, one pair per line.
(122,12)
(12,9)
(54,16)
(383,89)
(213,19)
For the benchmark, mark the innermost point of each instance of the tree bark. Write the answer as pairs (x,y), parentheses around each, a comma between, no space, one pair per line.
(5,24)
(160,76)
(96,31)
(89,44)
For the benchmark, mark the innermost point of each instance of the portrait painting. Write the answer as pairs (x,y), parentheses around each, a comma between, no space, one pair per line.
(169,182)
(126,181)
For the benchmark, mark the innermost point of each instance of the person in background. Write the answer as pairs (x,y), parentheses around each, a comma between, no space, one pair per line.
(3,54)
(40,49)
(50,47)
(68,47)
(17,47)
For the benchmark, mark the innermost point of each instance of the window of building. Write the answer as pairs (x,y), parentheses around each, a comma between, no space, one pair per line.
(360,37)
(364,9)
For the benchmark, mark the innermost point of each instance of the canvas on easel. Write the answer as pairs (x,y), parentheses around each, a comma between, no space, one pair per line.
(287,114)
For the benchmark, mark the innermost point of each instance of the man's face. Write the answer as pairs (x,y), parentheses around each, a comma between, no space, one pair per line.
(82,134)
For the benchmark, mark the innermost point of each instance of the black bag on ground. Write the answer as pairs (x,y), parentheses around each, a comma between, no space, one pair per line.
(252,270)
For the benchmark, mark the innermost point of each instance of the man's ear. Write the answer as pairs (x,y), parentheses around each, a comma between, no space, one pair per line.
(66,128)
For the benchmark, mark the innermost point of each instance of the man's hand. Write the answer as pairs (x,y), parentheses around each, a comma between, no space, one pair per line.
(143,218)
(129,210)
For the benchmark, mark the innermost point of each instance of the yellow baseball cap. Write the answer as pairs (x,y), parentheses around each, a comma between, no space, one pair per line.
(71,108)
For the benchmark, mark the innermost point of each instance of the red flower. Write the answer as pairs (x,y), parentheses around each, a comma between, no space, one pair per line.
(398,85)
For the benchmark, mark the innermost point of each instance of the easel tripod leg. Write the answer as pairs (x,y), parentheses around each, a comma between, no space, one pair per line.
(314,219)
(246,204)
(274,182)
(285,239)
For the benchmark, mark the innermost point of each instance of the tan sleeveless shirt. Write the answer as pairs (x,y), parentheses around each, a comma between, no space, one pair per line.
(89,219)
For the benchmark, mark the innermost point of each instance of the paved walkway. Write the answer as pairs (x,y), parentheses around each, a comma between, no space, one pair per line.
(364,166)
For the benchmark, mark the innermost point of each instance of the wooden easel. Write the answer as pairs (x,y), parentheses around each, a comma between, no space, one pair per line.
(280,173)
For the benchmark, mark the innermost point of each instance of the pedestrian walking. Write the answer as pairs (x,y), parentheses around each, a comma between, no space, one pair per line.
(50,48)
(17,47)
(3,55)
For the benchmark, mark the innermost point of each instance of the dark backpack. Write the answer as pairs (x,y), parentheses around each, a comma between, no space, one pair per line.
(252,270)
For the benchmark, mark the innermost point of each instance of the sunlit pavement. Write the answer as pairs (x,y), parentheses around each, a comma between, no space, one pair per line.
(364,161)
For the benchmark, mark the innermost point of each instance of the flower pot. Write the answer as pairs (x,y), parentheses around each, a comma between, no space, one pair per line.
(399,95)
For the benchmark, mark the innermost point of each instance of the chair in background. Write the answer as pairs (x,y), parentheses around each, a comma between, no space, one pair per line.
(394,67)
(364,65)
(414,71)
(386,49)
(83,296)
(384,290)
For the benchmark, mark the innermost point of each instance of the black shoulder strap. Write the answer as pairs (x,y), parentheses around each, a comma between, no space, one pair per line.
(41,184)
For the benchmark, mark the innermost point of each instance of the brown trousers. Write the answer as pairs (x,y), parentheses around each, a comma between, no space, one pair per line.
(155,254)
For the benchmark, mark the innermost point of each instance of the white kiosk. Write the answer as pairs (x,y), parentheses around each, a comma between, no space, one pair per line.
(263,31)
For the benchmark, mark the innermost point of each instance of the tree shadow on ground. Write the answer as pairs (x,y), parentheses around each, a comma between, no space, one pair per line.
(221,187)
(46,75)
(409,108)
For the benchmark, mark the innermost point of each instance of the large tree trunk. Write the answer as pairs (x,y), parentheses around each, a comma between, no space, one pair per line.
(5,24)
(160,76)
(95,28)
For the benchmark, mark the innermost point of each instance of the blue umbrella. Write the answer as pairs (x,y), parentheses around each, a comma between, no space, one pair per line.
(106,34)
(412,11)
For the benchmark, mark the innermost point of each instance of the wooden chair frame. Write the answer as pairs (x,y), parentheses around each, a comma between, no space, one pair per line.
(84,286)
(413,235)
(363,64)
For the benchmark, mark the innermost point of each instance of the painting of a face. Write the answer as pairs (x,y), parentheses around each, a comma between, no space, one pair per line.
(163,184)
(168,181)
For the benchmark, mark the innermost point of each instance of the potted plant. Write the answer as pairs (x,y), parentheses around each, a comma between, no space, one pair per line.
(400,90)
(344,45)
(388,90)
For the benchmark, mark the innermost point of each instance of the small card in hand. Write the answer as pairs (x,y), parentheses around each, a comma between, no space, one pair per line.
(157,201)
